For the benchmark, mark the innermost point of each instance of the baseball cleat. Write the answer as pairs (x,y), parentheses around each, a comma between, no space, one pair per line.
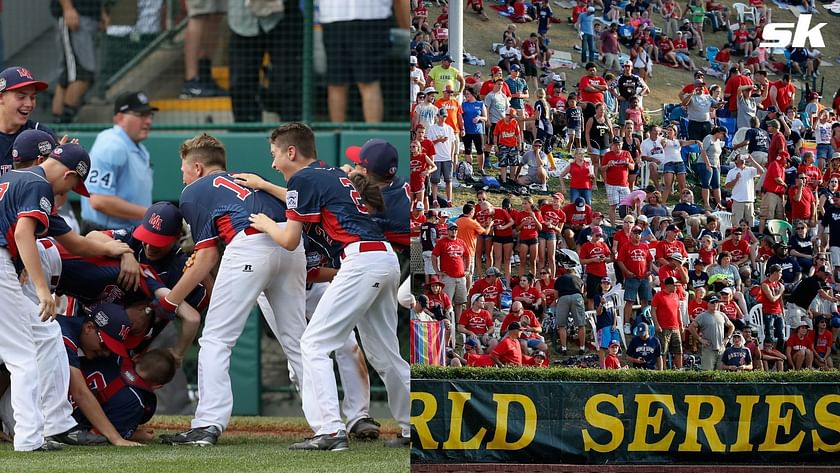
(365,429)
(200,436)
(334,442)
(78,436)
(49,446)
(398,442)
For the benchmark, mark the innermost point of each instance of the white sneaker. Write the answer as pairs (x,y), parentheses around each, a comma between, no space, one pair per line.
(538,187)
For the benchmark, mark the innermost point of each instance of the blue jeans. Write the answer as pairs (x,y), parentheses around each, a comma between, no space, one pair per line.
(587,48)
(585,193)
(637,287)
(709,177)
(774,329)
(675,168)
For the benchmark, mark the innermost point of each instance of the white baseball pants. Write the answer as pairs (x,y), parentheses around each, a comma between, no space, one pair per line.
(251,264)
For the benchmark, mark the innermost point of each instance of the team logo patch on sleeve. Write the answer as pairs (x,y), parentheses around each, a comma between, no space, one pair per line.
(292,199)
(46,205)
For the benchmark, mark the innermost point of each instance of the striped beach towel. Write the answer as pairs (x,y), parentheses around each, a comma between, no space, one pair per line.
(427,343)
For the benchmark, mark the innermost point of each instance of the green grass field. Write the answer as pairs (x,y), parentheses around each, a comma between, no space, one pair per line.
(251,444)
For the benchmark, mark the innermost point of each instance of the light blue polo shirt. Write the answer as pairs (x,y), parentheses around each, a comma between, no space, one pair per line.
(118,167)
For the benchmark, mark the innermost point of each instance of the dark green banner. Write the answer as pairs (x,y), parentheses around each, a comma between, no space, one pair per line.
(569,422)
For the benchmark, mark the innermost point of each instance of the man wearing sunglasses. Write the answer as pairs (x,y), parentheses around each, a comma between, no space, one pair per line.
(803,202)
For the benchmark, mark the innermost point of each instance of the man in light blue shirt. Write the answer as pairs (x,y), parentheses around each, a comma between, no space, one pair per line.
(120,179)
(586,29)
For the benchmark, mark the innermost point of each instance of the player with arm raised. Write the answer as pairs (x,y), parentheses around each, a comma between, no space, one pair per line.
(217,210)
(323,203)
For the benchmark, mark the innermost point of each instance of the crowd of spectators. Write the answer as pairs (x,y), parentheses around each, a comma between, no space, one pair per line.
(744,277)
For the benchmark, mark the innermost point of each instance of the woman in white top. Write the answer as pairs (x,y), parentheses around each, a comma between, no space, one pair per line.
(672,162)
(822,134)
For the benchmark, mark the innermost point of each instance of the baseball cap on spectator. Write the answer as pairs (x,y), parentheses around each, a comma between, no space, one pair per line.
(16,77)
(76,159)
(32,144)
(685,20)
(641,328)
(747,72)
(699,73)
(112,325)
(515,68)
(803,323)
(590,10)
(161,225)
(738,230)
(726,290)
(616,140)
(412,60)
(419,206)
(835,156)
(580,203)
(606,280)
(678,257)
(699,262)
(492,271)
(433,280)
(615,343)
(442,113)
(712,298)
(628,63)
(540,353)
(495,70)
(475,298)
(669,282)
(737,333)
(429,90)
(597,231)
(597,215)
(813,95)
(446,58)
(558,195)
(514,326)
(133,102)
(452,226)
(642,218)
(557,78)
(537,142)
(636,230)
(772,109)
(377,156)
(672,228)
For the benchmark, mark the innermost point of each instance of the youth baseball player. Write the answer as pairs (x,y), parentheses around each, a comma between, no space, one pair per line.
(18,90)
(323,203)
(26,202)
(217,210)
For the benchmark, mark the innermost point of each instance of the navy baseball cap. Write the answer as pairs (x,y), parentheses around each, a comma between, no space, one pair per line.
(133,102)
(32,144)
(16,77)
(515,67)
(161,225)
(377,156)
(113,326)
(75,158)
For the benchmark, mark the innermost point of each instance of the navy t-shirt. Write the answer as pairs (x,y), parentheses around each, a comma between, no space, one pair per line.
(648,350)
(392,221)
(24,193)
(8,139)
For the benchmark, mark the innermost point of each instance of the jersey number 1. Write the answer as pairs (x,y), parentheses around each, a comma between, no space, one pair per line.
(240,191)
(354,194)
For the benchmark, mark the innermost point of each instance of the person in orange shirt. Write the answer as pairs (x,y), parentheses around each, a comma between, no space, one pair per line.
(468,230)
(454,114)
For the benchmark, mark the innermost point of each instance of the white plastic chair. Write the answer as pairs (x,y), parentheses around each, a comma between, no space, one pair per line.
(724,219)
(691,258)
(756,317)
(644,174)
(744,12)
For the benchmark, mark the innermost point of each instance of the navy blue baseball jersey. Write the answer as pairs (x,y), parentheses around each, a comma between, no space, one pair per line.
(8,139)
(169,268)
(217,208)
(71,329)
(126,399)
(23,194)
(94,280)
(330,208)
(394,220)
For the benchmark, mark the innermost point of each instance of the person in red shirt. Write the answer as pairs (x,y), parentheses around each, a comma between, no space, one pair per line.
(576,218)
(545,284)
(803,203)
(617,164)
(676,269)
(496,73)
(508,352)
(484,216)
(707,253)
(823,340)
(730,90)
(611,362)
(670,245)
(634,260)
(799,347)
(696,306)
(742,40)
(450,261)
(738,248)
(723,58)
(594,255)
(529,223)
(592,86)
(581,177)
(773,200)
(778,143)
(508,136)
(531,331)
(770,298)
(427,145)
(421,165)
(689,88)
(530,297)
(812,172)
(664,309)
(729,307)
(502,239)
(553,220)
(490,286)
(666,50)
(476,323)
(417,218)
(782,93)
